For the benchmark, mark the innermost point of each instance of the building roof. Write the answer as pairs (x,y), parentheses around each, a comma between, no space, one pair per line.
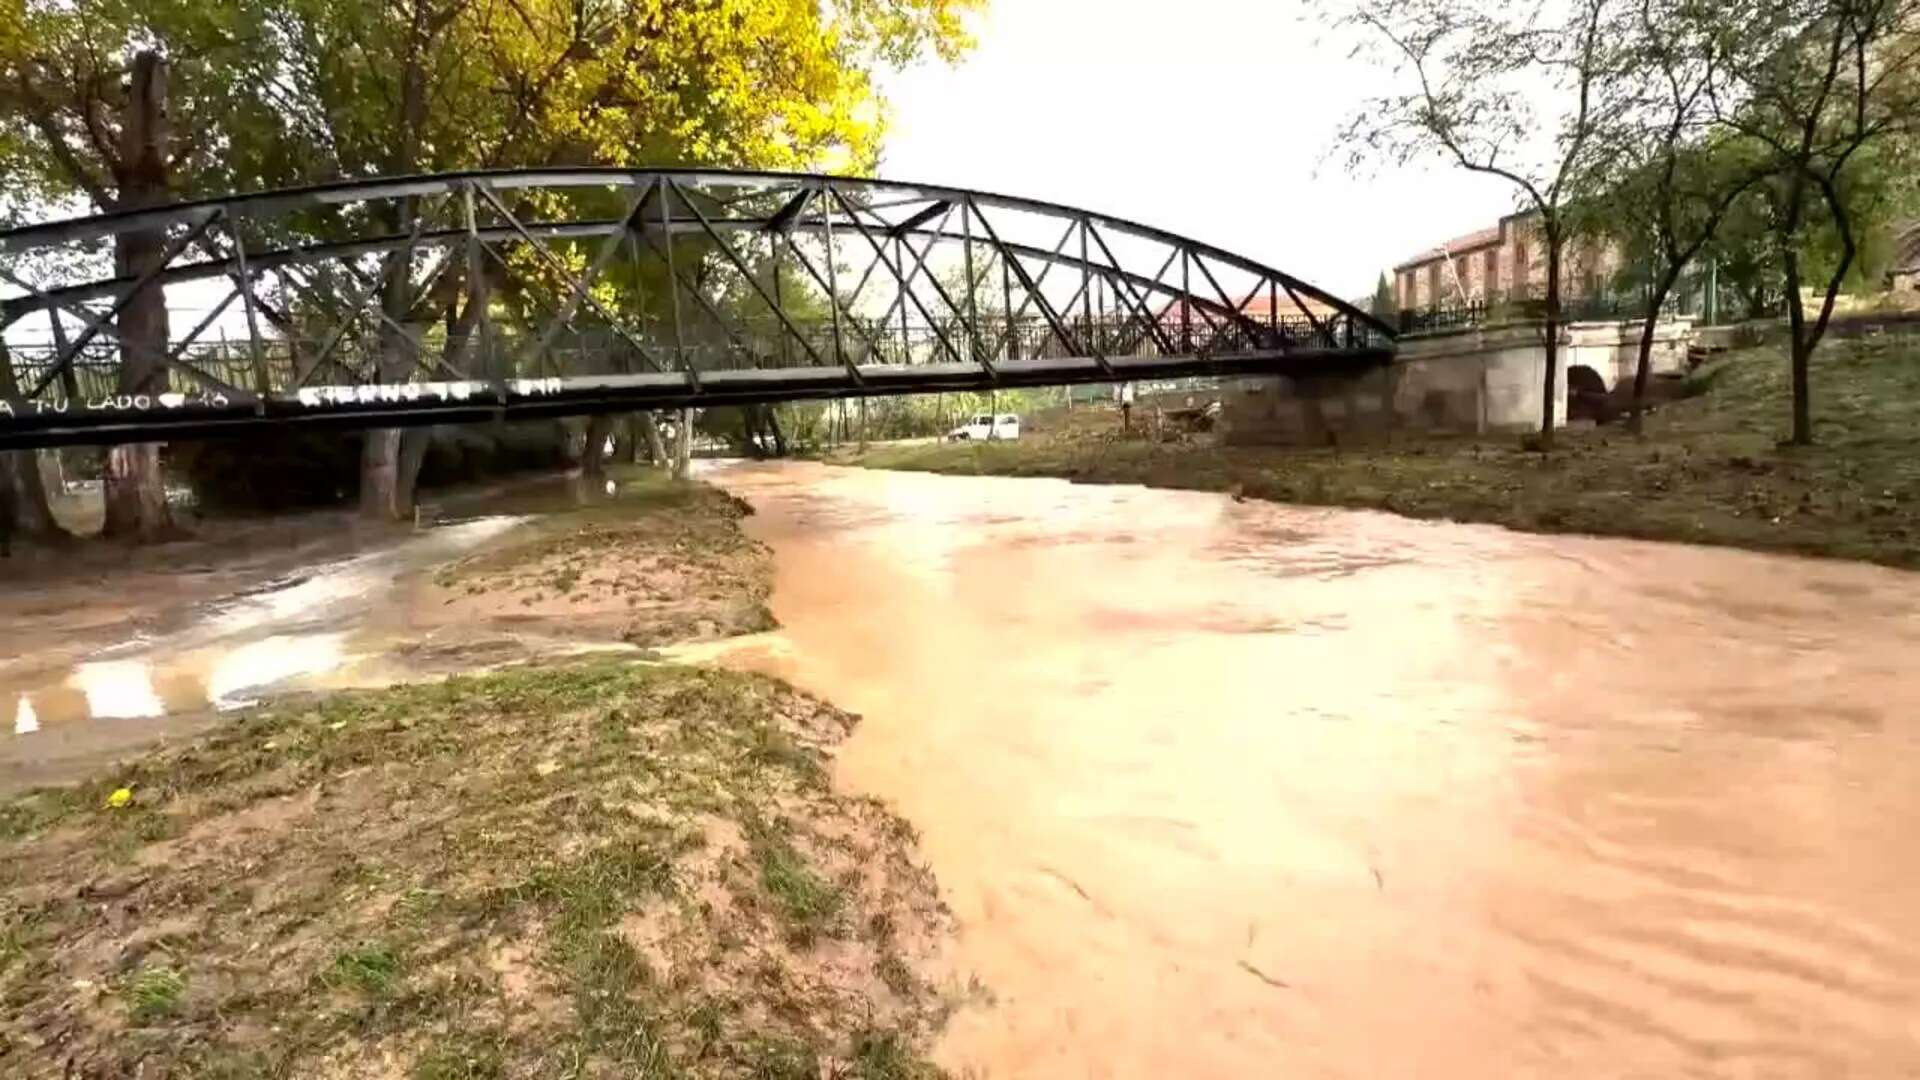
(1459,245)
(1257,308)
(1470,242)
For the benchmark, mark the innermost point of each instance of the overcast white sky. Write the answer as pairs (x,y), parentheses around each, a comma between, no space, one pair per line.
(1211,118)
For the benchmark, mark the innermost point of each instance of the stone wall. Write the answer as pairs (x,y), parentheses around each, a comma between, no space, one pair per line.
(1613,348)
(1474,380)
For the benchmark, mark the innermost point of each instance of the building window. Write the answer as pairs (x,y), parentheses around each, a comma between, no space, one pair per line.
(1490,273)
(1433,284)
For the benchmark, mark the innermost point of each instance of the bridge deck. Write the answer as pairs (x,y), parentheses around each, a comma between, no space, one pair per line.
(182,416)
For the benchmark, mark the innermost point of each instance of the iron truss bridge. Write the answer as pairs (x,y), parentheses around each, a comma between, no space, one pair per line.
(481,296)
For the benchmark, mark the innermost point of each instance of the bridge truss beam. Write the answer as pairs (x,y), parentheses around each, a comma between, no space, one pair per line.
(528,294)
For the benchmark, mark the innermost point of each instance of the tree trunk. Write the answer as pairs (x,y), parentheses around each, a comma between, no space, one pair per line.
(683,448)
(29,513)
(593,456)
(1554,245)
(134,489)
(386,492)
(750,438)
(1800,351)
(1643,367)
(779,437)
(24,509)
(414,444)
(1640,369)
(626,448)
(656,448)
(1802,394)
(380,474)
(386,487)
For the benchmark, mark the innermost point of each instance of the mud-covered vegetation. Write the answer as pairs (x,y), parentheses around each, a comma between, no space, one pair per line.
(600,870)
(660,561)
(1711,468)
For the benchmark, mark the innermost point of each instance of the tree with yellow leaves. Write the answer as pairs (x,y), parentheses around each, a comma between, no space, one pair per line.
(270,93)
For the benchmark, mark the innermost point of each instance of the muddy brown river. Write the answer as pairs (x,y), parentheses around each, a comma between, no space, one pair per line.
(1233,789)
(1224,789)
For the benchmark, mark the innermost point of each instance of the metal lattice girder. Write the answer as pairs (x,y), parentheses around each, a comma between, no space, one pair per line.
(555,277)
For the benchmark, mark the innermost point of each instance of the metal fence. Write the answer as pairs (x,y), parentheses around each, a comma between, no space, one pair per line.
(1482,312)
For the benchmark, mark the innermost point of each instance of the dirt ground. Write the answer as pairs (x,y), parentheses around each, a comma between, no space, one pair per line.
(662,563)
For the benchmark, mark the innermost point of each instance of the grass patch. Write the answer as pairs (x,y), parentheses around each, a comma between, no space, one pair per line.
(884,1055)
(372,970)
(153,991)
(1710,468)
(782,1059)
(461,1056)
(806,902)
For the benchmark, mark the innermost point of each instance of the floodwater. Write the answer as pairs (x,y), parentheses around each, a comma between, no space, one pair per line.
(1222,789)
(328,626)
(347,622)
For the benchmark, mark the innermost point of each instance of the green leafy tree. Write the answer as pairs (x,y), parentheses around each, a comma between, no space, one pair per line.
(1816,87)
(1661,188)
(264,95)
(1473,76)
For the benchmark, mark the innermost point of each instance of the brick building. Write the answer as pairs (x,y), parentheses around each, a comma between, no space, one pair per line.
(1504,261)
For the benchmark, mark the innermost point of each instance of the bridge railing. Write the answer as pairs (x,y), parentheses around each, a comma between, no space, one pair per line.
(282,365)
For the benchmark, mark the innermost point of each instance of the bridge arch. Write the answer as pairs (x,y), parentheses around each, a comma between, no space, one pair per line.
(452,297)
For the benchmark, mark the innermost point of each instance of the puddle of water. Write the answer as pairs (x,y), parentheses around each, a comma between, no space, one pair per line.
(300,630)
(117,689)
(1227,790)
(25,720)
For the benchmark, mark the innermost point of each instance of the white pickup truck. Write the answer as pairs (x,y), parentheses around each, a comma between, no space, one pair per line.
(986,426)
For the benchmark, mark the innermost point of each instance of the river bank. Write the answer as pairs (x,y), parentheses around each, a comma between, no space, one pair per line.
(1709,470)
(604,865)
